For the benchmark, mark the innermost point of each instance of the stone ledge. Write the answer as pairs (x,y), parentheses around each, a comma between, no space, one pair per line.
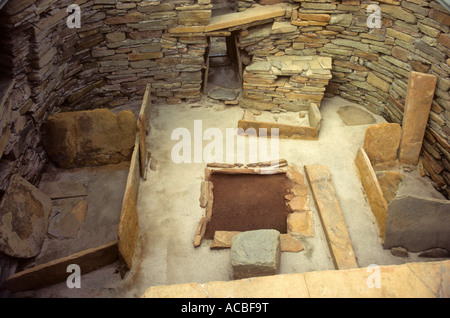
(412,280)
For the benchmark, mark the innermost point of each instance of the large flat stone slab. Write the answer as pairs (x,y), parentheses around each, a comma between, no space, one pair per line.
(429,279)
(255,253)
(24,218)
(419,96)
(256,13)
(418,223)
(331,216)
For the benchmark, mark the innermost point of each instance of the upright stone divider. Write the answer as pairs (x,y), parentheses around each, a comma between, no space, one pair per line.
(419,97)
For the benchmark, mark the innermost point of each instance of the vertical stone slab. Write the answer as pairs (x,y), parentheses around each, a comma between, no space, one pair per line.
(417,108)
(333,222)
(372,188)
(142,144)
(418,223)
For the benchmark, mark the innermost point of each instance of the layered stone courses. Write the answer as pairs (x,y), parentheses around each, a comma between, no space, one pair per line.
(123,46)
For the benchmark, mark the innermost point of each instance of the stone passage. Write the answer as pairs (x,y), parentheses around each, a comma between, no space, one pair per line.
(291,82)
(255,253)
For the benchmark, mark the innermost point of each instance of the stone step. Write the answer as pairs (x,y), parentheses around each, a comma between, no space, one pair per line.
(330,213)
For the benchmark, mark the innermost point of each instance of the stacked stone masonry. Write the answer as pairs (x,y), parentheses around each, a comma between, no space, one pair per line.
(123,45)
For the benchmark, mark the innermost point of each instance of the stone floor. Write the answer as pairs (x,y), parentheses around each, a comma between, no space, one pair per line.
(168,206)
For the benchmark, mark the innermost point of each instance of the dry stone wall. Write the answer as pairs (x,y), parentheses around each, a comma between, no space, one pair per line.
(123,45)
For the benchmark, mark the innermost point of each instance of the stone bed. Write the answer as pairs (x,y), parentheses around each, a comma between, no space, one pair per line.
(90,217)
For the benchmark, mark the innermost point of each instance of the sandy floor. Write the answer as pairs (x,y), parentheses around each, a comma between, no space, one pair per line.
(169,211)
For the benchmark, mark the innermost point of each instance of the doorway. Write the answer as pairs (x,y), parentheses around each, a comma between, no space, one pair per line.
(223,73)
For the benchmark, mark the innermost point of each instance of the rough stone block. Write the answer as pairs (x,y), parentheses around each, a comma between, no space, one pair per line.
(255,253)
(418,223)
(90,138)
(381,142)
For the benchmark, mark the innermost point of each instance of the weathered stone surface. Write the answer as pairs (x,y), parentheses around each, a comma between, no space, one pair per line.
(419,96)
(435,253)
(399,251)
(417,280)
(255,253)
(330,213)
(222,239)
(418,223)
(299,203)
(314,116)
(300,224)
(90,138)
(24,218)
(389,182)
(372,188)
(288,243)
(69,224)
(381,142)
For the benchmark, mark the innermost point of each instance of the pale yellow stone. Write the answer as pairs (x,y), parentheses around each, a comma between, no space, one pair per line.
(300,224)
(412,280)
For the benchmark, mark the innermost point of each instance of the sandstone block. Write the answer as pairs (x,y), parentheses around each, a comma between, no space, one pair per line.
(24,218)
(89,138)
(255,253)
(381,142)
(300,224)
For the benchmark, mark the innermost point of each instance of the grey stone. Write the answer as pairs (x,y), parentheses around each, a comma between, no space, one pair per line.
(435,253)
(418,223)
(24,218)
(255,253)
(399,251)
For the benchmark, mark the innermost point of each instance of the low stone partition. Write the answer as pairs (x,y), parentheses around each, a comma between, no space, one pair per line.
(290,82)
(254,124)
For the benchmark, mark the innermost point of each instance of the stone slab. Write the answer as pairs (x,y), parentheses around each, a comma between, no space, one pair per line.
(300,224)
(68,224)
(389,182)
(381,143)
(256,13)
(372,188)
(255,253)
(330,213)
(56,271)
(419,96)
(24,218)
(412,280)
(418,223)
